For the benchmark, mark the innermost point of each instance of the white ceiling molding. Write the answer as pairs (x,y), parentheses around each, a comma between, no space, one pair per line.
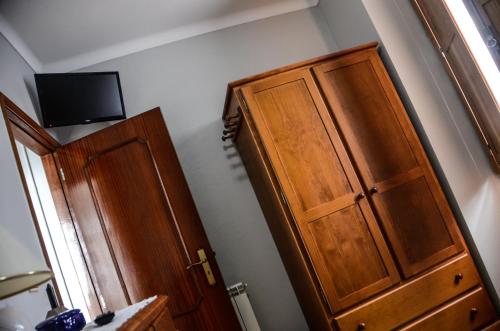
(19,45)
(154,40)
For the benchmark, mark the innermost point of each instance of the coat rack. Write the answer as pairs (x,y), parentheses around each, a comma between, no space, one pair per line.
(231,126)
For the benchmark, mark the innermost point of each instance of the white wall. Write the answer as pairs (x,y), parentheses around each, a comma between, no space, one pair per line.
(17,231)
(188,80)
(435,108)
(349,22)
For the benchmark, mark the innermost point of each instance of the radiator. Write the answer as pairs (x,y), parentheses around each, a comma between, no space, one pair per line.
(243,307)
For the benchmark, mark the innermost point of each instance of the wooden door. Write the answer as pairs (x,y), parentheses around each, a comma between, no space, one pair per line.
(393,165)
(138,224)
(350,257)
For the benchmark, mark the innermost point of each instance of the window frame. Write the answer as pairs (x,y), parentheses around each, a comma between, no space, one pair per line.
(487,28)
(465,73)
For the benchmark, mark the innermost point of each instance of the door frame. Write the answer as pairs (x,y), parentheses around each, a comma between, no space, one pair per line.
(22,128)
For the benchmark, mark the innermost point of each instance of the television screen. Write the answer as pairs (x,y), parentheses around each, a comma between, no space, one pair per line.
(79,98)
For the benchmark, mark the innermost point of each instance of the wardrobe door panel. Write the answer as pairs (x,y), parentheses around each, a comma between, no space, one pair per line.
(349,255)
(344,243)
(380,137)
(309,159)
(390,160)
(420,235)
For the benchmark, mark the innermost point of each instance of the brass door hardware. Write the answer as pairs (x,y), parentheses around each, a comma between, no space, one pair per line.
(206,266)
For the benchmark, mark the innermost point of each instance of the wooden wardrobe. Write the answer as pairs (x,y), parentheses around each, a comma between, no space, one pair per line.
(358,215)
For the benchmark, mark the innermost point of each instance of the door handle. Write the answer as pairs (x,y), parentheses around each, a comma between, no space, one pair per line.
(195,264)
(206,266)
(359,196)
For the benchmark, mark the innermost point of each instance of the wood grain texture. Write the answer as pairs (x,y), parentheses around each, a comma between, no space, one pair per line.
(320,186)
(493,327)
(390,160)
(164,322)
(326,232)
(348,251)
(283,228)
(155,316)
(298,65)
(304,148)
(143,236)
(139,224)
(469,312)
(28,125)
(413,299)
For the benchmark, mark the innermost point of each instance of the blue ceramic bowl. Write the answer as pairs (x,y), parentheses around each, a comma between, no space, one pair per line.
(70,320)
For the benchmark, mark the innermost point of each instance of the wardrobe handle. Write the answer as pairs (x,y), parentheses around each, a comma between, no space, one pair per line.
(361,326)
(473,313)
(374,190)
(359,196)
(458,278)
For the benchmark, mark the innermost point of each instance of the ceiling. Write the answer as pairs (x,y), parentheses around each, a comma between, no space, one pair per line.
(64,35)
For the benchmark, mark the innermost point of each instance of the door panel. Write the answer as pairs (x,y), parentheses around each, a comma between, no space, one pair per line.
(99,260)
(380,137)
(321,188)
(139,224)
(390,160)
(314,183)
(413,202)
(344,243)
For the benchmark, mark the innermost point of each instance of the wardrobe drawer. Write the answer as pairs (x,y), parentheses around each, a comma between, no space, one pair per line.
(493,327)
(469,312)
(412,299)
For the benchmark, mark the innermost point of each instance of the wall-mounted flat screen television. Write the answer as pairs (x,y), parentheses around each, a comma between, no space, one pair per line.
(79,98)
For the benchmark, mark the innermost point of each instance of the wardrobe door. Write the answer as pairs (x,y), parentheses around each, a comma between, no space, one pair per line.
(349,255)
(391,160)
